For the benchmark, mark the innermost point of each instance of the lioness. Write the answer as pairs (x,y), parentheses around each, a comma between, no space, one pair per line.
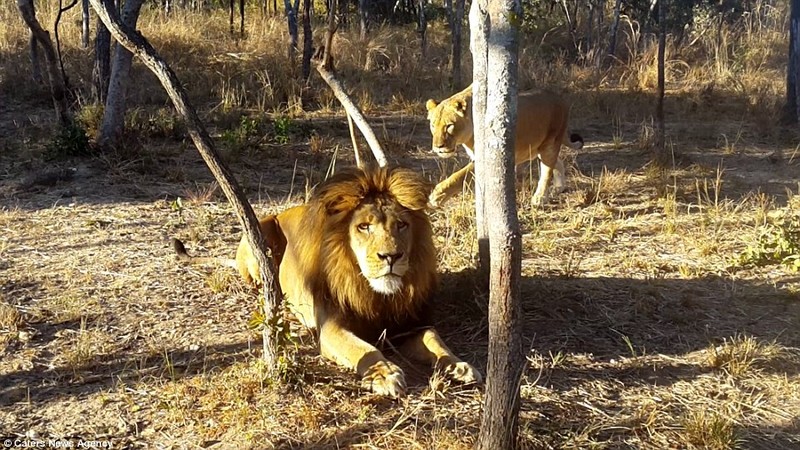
(542,118)
(357,262)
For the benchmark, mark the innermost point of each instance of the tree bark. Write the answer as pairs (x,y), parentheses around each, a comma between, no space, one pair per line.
(102,60)
(612,35)
(85,24)
(116,103)
(363,18)
(455,29)
(792,110)
(495,44)
(479,35)
(422,27)
(134,42)
(291,19)
(662,40)
(42,38)
(308,45)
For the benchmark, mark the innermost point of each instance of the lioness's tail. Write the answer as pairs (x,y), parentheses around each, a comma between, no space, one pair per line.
(183,255)
(575,141)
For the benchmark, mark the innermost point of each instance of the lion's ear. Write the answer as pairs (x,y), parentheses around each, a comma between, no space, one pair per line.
(430,104)
(461,107)
(409,188)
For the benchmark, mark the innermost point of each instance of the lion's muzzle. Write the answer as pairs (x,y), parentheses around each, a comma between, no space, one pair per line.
(444,152)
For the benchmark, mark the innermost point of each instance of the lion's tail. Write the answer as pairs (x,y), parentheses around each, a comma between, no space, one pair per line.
(575,141)
(183,255)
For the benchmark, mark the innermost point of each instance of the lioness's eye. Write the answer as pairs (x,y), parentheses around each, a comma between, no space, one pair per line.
(363,227)
(401,225)
(450,129)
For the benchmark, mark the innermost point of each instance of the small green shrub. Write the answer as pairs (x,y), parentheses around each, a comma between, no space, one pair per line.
(778,243)
(70,141)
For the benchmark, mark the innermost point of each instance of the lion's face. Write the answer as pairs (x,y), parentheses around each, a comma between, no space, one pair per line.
(381,240)
(450,125)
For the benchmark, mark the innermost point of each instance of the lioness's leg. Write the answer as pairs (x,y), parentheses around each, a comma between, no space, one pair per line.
(549,163)
(449,187)
(377,373)
(428,347)
(559,177)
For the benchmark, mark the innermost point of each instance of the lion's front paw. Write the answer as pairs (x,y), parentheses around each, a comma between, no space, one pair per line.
(385,378)
(462,372)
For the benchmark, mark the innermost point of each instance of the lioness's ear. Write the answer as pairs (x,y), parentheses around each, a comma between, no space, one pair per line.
(430,104)
(461,107)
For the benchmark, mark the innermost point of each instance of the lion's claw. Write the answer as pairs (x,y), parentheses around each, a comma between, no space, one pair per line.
(385,378)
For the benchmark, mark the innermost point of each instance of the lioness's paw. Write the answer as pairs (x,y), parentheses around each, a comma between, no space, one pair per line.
(385,378)
(436,199)
(462,372)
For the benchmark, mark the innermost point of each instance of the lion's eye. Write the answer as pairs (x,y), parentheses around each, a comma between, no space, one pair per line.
(363,227)
(450,128)
(402,225)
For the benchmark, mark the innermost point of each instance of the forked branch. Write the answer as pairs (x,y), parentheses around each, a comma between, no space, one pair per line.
(324,62)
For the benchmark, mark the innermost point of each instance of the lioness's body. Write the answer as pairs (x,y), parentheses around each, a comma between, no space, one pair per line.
(542,126)
(356,263)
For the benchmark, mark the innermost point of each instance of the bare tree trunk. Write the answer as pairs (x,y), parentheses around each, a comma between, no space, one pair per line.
(343,12)
(61,10)
(230,15)
(308,48)
(241,18)
(42,37)
(612,38)
(102,60)
(291,19)
(662,40)
(422,26)
(495,114)
(116,102)
(136,43)
(36,67)
(363,18)
(479,34)
(85,24)
(456,26)
(792,109)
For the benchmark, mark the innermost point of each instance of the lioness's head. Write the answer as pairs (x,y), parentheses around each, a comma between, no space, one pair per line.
(380,216)
(451,124)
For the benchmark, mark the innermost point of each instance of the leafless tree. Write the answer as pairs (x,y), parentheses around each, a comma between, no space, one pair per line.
(41,38)
(116,103)
(101,72)
(85,23)
(291,19)
(134,42)
(422,26)
(308,47)
(456,23)
(494,44)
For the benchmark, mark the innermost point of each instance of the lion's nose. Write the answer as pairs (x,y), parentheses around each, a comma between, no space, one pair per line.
(390,258)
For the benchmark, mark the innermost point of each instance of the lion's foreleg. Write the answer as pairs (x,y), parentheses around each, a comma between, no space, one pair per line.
(377,373)
(429,347)
(453,185)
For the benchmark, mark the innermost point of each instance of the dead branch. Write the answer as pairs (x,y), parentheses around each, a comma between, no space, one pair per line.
(139,46)
(324,63)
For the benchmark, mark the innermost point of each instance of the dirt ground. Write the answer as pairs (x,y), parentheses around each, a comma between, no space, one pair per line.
(644,331)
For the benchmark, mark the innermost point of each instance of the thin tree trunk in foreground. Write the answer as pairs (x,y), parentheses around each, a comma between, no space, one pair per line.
(455,28)
(84,23)
(479,34)
(495,44)
(101,72)
(308,48)
(42,37)
(134,42)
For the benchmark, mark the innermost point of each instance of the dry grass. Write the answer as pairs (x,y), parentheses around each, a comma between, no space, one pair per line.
(646,327)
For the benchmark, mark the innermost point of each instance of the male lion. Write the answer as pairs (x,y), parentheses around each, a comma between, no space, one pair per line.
(542,118)
(357,262)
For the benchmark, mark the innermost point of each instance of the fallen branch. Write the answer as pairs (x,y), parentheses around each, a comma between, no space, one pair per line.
(139,46)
